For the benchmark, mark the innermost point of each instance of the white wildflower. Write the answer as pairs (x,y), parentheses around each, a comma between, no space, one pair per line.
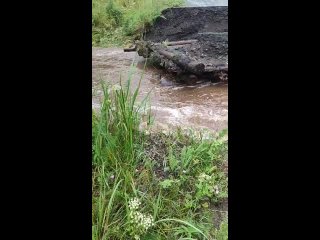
(142,222)
(216,188)
(134,204)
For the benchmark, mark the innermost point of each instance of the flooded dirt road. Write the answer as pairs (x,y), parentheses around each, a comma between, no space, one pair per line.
(203,105)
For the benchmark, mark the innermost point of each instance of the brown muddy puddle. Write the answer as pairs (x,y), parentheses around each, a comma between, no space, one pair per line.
(200,106)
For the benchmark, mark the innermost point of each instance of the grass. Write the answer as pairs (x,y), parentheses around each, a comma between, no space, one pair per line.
(118,22)
(178,181)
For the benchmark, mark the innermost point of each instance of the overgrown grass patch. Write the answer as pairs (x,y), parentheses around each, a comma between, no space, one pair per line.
(118,22)
(154,186)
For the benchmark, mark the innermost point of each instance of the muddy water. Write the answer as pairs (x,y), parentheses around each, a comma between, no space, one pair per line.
(200,106)
(204,3)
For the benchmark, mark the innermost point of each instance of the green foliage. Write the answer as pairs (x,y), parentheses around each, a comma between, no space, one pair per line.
(178,187)
(211,186)
(222,232)
(117,22)
(114,12)
(167,183)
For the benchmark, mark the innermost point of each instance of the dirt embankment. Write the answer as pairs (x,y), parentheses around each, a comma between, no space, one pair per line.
(185,23)
(207,25)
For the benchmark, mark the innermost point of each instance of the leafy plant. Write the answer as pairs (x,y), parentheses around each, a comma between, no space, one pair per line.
(167,183)
(178,201)
(117,22)
(222,232)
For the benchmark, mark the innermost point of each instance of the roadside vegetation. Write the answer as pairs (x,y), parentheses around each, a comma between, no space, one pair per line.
(153,185)
(119,22)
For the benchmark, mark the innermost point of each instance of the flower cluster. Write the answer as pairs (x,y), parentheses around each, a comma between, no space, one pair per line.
(134,204)
(139,221)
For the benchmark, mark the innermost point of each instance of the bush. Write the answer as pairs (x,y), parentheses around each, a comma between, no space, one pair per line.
(115,22)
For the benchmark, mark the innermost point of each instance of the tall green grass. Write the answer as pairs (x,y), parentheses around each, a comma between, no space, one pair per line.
(116,148)
(117,22)
(126,164)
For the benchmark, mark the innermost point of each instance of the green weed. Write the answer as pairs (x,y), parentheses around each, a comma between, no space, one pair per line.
(118,22)
(152,186)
